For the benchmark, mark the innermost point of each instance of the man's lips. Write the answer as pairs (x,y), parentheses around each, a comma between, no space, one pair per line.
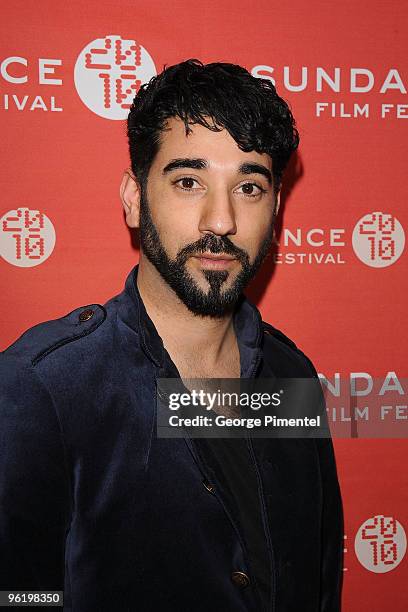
(215,261)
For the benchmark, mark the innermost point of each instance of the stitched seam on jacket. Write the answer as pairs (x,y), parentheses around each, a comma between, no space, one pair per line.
(265,521)
(86,332)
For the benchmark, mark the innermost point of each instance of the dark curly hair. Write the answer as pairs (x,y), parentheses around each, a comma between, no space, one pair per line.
(217,96)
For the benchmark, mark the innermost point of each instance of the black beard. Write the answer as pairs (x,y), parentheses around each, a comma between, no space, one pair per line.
(215,303)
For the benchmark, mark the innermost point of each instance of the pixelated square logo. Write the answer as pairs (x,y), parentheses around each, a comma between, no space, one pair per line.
(109,72)
(378,239)
(27,237)
(380,544)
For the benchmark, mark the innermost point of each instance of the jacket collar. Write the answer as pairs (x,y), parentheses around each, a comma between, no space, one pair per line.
(247,324)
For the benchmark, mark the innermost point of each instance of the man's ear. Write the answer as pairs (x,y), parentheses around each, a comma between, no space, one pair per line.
(130,196)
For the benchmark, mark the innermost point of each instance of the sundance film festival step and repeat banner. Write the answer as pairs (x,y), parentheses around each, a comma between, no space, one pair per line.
(335,281)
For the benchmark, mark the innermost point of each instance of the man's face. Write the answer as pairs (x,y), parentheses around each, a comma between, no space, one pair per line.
(206,216)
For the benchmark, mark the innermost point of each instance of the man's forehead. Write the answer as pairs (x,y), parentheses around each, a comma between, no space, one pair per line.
(201,142)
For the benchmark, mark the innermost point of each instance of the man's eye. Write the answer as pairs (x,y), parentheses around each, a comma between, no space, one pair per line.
(251,189)
(186,182)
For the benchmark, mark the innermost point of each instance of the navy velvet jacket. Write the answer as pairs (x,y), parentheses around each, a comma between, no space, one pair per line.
(92,502)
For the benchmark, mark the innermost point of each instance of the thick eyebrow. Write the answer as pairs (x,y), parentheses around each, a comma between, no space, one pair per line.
(202,164)
(185,162)
(253,168)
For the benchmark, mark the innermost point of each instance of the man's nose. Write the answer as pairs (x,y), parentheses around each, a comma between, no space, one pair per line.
(218,214)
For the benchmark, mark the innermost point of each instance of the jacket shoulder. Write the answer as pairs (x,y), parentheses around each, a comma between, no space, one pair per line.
(278,335)
(42,339)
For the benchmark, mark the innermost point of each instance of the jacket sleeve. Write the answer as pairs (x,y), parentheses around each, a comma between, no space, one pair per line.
(332,530)
(332,519)
(34,493)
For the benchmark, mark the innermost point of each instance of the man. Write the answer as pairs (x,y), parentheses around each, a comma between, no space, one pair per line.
(93,501)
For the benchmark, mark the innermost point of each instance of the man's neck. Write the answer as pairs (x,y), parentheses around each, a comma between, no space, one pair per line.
(185,336)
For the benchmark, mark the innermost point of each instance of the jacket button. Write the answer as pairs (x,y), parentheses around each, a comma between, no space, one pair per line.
(208,486)
(240,579)
(86,315)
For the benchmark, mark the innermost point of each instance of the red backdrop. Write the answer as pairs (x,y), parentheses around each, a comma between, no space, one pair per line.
(68,72)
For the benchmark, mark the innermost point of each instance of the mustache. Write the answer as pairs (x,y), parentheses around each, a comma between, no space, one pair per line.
(212,244)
